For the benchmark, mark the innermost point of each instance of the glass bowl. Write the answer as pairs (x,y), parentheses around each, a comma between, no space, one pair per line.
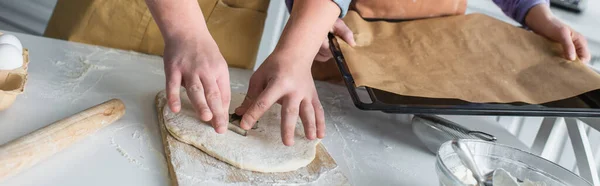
(490,156)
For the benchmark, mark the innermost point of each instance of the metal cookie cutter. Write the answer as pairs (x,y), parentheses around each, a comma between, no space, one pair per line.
(234,125)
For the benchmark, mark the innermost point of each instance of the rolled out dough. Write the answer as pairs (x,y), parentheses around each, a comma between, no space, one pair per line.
(261,150)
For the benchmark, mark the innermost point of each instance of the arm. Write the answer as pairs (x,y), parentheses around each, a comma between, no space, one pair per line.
(285,76)
(177,19)
(309,23)
(339,29)
(192,59)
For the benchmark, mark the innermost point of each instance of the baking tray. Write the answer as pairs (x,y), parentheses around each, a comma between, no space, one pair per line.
(585,105)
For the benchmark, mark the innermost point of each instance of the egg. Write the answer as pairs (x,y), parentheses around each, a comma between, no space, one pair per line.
(12,40)
(10,57)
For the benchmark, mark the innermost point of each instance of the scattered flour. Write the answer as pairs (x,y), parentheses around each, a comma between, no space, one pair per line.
(126,155)
(159,72)
(335,115)
(236,85)
(135,134)
(144,147)
(73,71)
(74,79)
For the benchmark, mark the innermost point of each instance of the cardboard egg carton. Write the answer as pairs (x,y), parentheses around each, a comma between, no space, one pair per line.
(12,82)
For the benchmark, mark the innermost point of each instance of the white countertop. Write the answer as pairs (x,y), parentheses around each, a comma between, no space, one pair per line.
(371,148)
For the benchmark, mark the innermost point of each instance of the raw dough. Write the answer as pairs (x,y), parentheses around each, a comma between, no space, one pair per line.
(261,150)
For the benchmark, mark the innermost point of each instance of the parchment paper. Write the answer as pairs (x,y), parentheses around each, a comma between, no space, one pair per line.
(474,58)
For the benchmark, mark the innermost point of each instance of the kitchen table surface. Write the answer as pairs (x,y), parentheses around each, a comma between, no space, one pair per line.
(371,148)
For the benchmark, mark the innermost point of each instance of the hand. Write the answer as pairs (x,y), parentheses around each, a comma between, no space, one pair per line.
(573,43)
(198,65)
(289,83)
(542,22)
(339,29)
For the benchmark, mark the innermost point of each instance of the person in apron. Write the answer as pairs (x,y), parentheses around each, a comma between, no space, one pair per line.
(532,14)
(197,53)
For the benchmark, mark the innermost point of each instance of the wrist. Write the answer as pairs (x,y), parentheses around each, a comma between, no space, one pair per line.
(196,34)
(291,58)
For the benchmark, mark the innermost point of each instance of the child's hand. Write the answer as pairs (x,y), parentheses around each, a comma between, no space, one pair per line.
(339,29)
(287,81)
(541,21)
(198,65)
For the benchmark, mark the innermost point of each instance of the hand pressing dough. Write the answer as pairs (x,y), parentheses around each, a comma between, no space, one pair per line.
(261,150)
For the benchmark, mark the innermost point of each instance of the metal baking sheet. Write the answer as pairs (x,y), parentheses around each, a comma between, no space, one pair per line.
(585,105)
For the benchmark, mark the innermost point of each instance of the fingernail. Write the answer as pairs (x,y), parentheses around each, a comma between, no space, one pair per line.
(205,115)
(243,124)
(175,107)
(220,130)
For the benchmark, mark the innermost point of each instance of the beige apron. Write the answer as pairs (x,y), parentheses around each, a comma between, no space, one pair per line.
(236,26)
(390,10)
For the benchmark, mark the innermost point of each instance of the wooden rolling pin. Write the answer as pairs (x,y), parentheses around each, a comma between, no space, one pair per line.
(24,152)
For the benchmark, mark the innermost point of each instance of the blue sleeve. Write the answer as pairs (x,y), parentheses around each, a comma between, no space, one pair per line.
(343,4)
(517,9)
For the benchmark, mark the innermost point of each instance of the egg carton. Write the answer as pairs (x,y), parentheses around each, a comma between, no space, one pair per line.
(12,82)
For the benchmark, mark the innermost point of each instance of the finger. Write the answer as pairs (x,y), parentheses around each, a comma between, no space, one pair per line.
(258,107)
(582,48)
(289,118)
(215,103)
(173,88)
(319,116)
(195,92)
(307,114)
(341,29)
(567,43)
(225,89)
(254,89)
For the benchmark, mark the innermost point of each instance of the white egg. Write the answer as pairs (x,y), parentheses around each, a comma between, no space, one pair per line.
(11,39)
(10,57)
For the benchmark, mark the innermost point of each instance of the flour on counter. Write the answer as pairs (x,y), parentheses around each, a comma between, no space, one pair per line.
(82,69)
(236,85)
(139,157)
(159,72)
(74,71)
(126,155)
(135,134)
(334,115)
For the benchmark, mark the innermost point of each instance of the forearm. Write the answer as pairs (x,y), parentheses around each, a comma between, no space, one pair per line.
(539,18)
(178,19)
(309,23)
